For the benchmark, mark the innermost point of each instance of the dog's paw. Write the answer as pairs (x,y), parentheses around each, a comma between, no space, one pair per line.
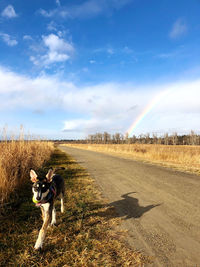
(38,250)
(53,223)
(38,246)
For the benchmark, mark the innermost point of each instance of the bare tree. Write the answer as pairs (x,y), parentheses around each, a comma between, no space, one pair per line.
(174,139)
(166,139)
(148,139)
(127,139)
(155,138)
(118,138)
(106,138)
(193,138)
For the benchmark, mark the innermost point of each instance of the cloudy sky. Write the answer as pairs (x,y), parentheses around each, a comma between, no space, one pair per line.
(71,68)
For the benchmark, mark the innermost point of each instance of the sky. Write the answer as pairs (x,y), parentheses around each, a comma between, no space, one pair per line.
(73,68)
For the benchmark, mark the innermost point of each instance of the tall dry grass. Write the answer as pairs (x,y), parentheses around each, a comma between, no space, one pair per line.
(185,158)
(16,160)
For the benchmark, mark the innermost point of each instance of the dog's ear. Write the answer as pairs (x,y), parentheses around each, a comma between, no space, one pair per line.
(33,176)
(49,175)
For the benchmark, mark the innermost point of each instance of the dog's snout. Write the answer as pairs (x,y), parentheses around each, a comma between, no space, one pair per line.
(39,195)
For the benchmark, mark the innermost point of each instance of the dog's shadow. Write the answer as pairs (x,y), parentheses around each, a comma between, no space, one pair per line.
(129,207)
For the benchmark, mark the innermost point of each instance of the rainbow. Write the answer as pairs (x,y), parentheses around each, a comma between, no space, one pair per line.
(146,110)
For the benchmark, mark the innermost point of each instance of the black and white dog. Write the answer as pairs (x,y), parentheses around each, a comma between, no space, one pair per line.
(45,191)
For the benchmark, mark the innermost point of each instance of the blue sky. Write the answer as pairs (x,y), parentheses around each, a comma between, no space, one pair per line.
(71,68)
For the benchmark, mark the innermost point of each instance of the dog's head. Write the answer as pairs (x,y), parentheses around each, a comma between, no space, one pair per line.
(41,185)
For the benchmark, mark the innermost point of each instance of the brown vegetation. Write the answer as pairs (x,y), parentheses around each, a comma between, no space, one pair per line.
(16,159)
(182,157)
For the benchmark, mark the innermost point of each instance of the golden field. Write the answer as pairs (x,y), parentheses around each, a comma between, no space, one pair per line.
(16,160)
(186,158)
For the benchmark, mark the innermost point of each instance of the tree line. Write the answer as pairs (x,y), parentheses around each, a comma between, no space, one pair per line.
(167,139)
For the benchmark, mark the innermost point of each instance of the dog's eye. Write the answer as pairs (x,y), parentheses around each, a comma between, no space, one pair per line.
(43,185)
(37,185)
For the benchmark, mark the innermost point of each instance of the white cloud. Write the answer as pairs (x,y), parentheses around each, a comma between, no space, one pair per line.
(54,43)
(127,50)
(110,108)
(104,107)
(35,94)
(52,26)
(85,69)
(179,28)
(27,38)
(110,51)
(58,2)
(165,55)
(8,40)
(56,50)
(9,12)
(47,14)
(77,124)
(87,9)
(87,125)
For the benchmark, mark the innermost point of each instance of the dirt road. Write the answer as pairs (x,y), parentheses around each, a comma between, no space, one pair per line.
(159,207)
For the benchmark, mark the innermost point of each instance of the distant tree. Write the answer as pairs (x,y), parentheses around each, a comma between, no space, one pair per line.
(99,138)
(148,139)
(174,139)
(166,139)
(90,139)
(193,138)
(127,139)
(159,140)
(155,138)
(134,139)
(117,138)
(106,138)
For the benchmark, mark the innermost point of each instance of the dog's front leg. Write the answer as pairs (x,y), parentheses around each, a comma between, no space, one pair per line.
(47,219)
(43,213)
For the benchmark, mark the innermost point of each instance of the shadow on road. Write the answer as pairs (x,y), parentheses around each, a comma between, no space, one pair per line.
(129,207)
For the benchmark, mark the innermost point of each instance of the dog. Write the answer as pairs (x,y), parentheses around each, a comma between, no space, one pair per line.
(45,191)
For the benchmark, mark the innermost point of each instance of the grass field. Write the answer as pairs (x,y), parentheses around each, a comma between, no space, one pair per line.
(16,160)
(84,236)
(186,158)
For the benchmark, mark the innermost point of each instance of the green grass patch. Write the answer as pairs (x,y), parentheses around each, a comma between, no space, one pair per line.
(84,235)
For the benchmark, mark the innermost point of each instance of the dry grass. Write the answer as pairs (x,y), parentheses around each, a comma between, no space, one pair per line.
(16,160)
(186,158)
(84,235)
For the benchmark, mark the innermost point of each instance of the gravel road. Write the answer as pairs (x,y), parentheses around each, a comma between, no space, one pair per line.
(159,207)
